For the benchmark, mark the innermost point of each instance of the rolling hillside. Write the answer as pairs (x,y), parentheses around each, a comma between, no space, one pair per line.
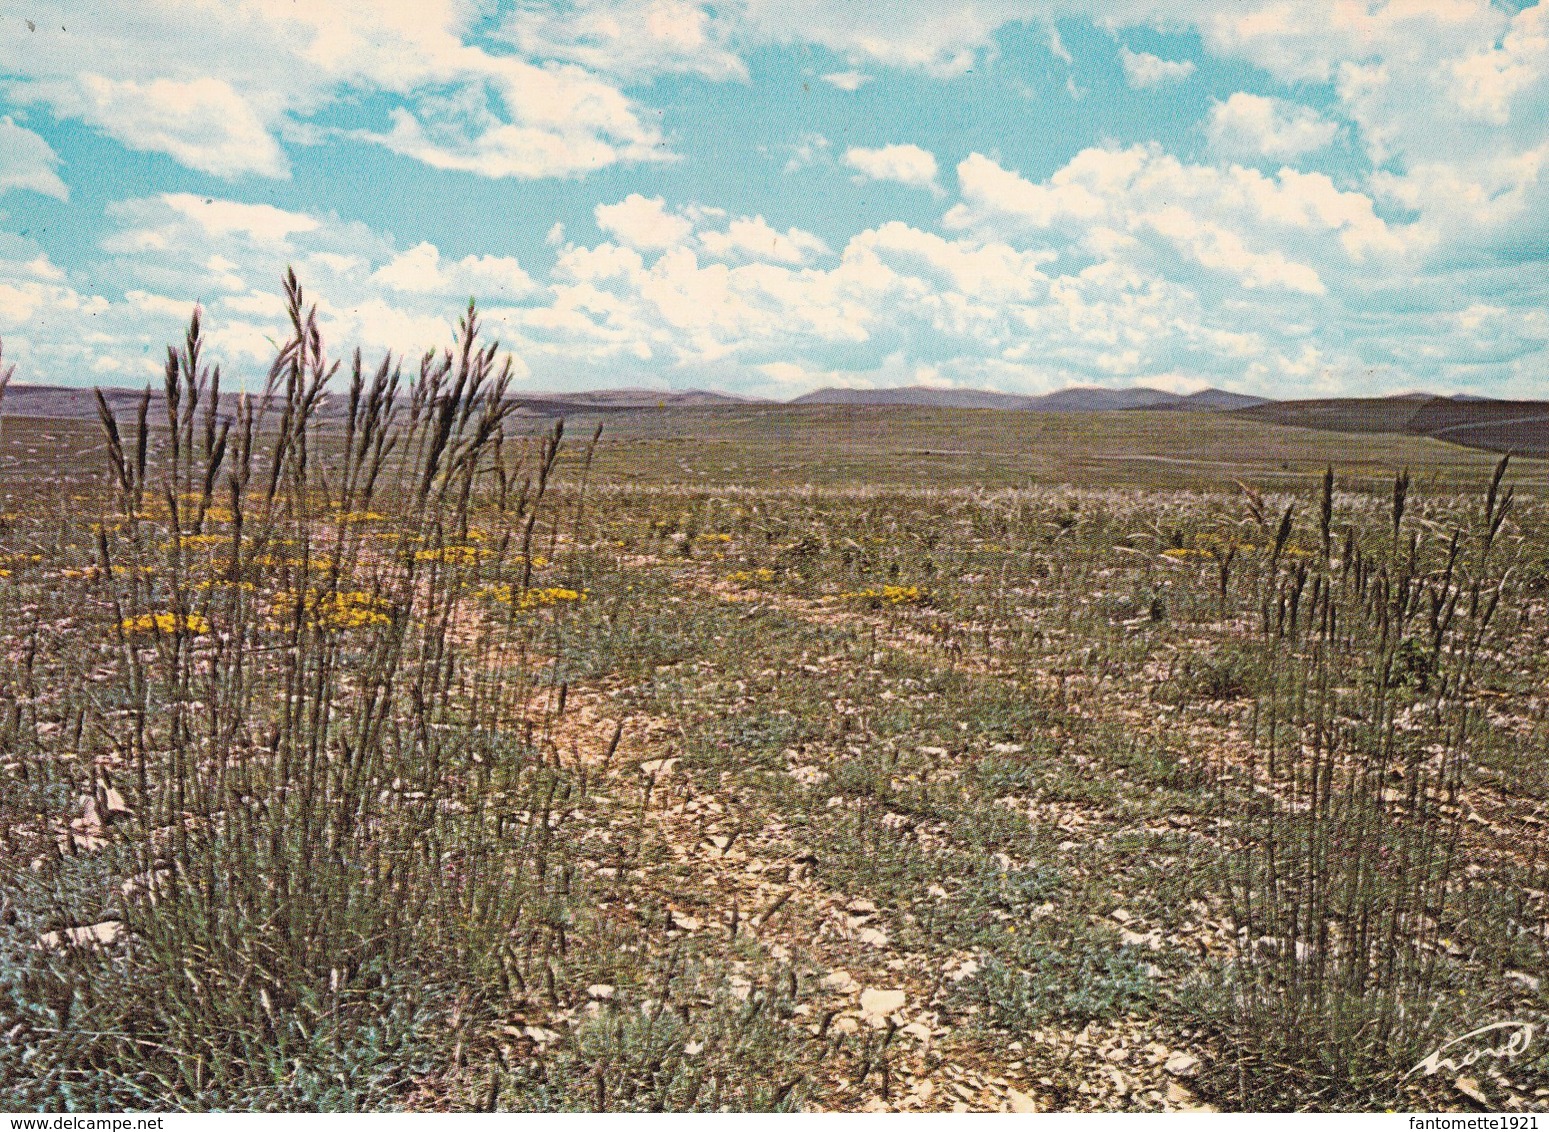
(1077,399)
(1498,426)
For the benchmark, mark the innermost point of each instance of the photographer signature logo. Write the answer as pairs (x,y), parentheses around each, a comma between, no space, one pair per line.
(1504,1041)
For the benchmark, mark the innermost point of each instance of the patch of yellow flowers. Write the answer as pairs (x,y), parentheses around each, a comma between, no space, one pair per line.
(224,584)
(454,555)
(164,624)
(745,577)
(117,572)
(533,598)
(1210,545)
(351,609)
(886,595)
(8,560)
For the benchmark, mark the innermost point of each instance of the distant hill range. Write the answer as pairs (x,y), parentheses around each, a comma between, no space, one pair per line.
(637,398)
(1478,422)
(64,403)
(1078,399)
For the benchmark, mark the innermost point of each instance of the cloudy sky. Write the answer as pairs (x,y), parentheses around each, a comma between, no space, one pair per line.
(764,196)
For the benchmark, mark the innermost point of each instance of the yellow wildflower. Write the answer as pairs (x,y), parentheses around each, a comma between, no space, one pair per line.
(532,598)
(353,609)
(9,560)
(118,572)
(454,555)
(550,595)
(886,595)
(164,623)
(744,577)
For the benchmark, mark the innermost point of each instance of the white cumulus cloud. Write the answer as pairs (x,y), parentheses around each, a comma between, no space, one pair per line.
(755,238)
(905,164)
(1127,263)
(214,234)
(847,80)
(643,222)
(488,278)
(1257,126)
(216,92)
(166,253)
(28,162)
(1142,69)
(202,123)
(632,38)
(1267,232)
(944,40)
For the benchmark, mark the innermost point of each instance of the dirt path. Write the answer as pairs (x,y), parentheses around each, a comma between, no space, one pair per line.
(738,881)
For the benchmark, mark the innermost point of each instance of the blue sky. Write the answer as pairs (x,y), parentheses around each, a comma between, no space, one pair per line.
(766,196)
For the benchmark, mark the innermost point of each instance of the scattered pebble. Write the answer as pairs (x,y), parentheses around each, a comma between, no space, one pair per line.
(104,934)
(877,1004)
(841,981)
(1018,1101)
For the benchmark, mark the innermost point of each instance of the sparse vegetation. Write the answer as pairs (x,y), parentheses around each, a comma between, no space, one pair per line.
(367,744)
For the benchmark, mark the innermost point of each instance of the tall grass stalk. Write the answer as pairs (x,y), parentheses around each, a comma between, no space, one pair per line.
(318,789)
(1346,882)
